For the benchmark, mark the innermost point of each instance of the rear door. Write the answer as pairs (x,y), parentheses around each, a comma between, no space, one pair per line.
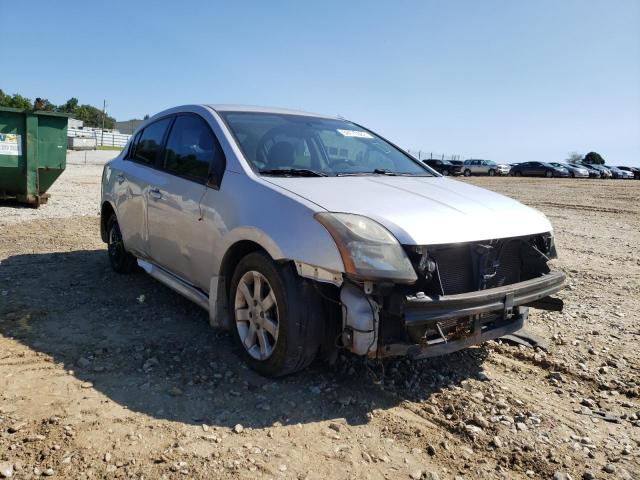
(181,238)
(132,183)
(538,168)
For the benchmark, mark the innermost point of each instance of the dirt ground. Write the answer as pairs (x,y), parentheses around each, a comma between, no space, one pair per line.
(110,376)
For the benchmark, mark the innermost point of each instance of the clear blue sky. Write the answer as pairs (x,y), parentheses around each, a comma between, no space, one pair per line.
(502,79)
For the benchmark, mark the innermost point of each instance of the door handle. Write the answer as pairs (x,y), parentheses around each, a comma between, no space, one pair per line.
(155,194)
(120,178)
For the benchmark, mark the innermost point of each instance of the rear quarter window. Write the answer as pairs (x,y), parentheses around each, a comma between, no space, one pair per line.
(150,142)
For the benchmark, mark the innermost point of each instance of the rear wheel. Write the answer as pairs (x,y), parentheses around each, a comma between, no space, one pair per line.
(121,261)
(445,173)
(492,173)
(276,316)
(467,173)
(517,173)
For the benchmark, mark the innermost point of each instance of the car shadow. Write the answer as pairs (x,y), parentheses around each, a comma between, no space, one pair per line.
(152,351)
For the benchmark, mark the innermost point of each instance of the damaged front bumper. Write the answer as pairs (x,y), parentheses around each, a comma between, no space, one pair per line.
(447,323)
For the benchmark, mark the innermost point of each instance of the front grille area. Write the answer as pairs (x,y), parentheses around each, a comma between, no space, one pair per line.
(460,266)
(455,269)
(510,267)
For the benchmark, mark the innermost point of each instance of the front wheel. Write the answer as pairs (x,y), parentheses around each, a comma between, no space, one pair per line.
(121,261)
(445,173)
(276,316)
(467,173)
(518,174)
(492,173)
(549,174)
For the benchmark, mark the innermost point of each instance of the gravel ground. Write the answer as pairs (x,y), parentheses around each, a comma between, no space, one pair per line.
(103,375)
(75,194)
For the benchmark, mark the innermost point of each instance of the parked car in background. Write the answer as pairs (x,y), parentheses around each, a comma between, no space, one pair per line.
(301,232)
(593,173)
(444,167)
(457,162)
(616,172)
(538,169)
(633,170)
(604,171)
(484,167)
(574,171)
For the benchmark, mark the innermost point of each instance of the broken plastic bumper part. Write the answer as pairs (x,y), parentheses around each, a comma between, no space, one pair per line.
(453,322)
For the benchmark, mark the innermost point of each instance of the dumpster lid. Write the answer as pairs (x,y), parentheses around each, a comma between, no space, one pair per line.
(34,112)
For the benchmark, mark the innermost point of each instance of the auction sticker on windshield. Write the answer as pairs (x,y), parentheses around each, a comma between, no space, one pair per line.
(354,133)
(10,144)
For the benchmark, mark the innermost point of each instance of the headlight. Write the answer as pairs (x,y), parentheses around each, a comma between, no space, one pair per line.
(368,250)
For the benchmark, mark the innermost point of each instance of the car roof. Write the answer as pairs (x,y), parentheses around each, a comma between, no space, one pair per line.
(259,109)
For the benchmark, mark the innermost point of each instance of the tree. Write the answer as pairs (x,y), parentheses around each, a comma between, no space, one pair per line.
(593,158)
(92,117)
(48,106)
(146,117)
(70,106)
(15,101)
(574,157)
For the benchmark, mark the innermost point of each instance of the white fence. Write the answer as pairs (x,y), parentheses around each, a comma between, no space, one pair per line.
(426,155)
(108,139)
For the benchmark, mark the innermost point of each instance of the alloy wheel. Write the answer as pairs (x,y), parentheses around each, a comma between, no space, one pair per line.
(115,247)
(256,315)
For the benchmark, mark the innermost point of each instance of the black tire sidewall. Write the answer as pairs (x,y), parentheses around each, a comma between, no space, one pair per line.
(467,173)
(289,354)
(126,262)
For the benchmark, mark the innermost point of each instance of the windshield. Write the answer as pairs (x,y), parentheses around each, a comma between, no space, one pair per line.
(302,145)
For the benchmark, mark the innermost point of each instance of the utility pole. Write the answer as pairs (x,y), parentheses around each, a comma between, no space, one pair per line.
(104,110)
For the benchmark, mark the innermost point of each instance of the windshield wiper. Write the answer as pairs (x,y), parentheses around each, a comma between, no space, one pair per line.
(293,172)
(382,171)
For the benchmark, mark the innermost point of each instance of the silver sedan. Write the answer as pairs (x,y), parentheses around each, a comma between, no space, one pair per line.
(304,234)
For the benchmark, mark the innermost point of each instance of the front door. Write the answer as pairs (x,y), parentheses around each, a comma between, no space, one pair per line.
(180,240)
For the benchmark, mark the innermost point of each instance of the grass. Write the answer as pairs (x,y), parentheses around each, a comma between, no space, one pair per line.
(107,147)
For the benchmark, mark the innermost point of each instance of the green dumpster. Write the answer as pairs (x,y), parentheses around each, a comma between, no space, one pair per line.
(33,153)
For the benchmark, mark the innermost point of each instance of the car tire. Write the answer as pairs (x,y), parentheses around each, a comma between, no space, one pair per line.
(492,173)
(281,333)
(121,261)
(467,173)
(573,175)
(548,174)
(445,173)
(517,174)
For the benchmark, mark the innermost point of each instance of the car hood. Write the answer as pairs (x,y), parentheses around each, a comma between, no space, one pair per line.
(422,210)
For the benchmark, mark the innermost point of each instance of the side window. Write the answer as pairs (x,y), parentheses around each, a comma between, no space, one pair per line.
(132,145)
(192,149)
(150,142)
